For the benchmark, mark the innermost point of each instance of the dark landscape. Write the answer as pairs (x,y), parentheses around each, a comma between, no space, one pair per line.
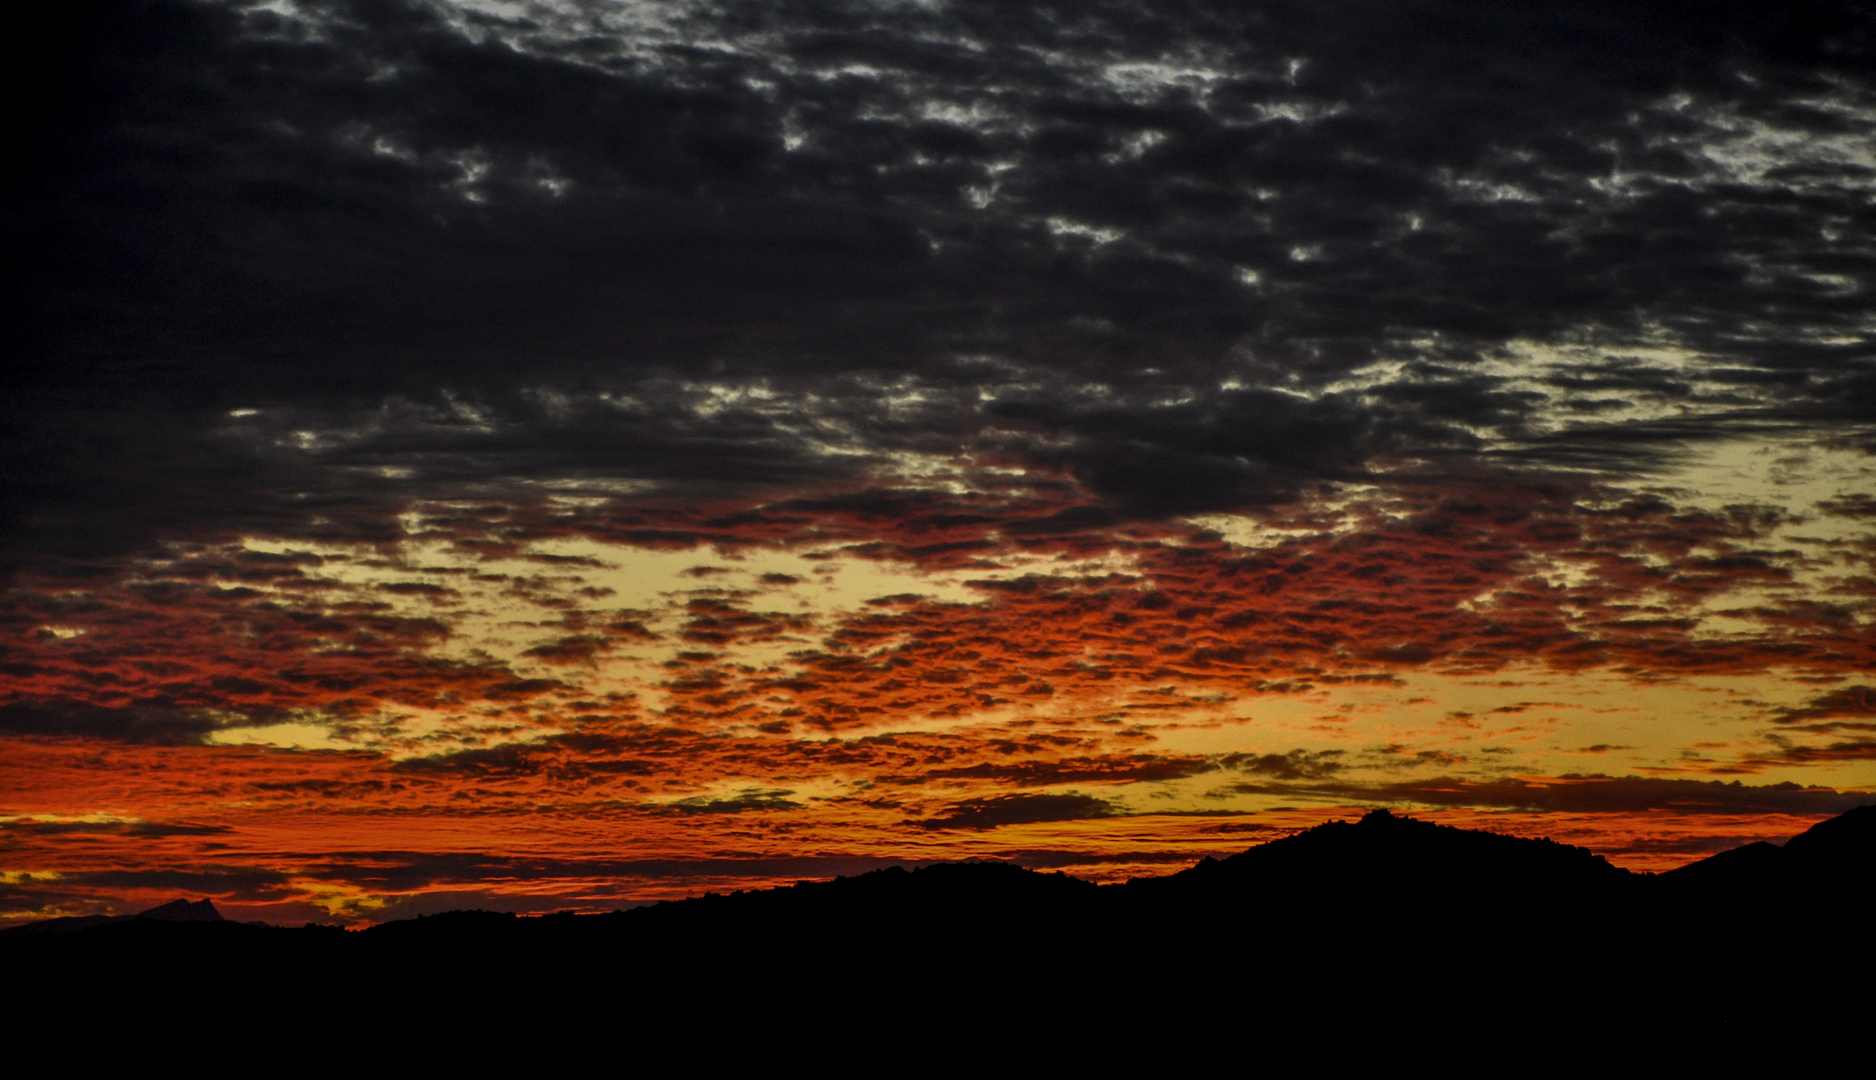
(1337,906)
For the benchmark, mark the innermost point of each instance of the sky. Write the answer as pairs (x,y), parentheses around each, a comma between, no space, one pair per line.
(560,456)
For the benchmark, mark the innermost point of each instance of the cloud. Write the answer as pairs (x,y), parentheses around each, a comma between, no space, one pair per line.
(1591,794)
(572,649)
(1853,702)
(246,882)
(135,725)
(996,294)
(717,622)
(38,827)
(564,755)
(1295,765)
(993,811)
(1115,769)
(1195,256)
(380,886)
(741,802)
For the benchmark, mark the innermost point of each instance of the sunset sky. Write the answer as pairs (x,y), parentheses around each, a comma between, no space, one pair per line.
(562,455)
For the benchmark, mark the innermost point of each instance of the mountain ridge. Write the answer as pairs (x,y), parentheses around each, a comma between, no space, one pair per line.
(181,910)
(1394,922)
(1414,866)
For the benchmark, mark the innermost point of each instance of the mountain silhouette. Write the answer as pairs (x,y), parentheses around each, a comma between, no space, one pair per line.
(1384,861)
(1416,860)
(183,911)
(1457,915)
(176,911)
(1840,852)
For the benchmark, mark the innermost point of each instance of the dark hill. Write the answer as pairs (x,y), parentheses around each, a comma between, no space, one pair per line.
(1382,868)
(1843,845)
(183,911)
(1406,859)
(1339,906)
(1833,860)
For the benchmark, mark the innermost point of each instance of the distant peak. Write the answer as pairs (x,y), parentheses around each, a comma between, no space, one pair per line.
(183,911)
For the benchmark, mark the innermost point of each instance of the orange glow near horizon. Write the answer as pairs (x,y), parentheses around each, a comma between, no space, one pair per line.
(536,708)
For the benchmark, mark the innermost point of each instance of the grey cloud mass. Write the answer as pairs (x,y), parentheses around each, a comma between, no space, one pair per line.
(290,267)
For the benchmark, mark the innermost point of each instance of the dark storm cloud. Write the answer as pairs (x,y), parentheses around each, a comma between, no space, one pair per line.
(289,271)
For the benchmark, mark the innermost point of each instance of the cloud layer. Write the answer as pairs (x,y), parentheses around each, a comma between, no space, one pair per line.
(555,454)
(297,264)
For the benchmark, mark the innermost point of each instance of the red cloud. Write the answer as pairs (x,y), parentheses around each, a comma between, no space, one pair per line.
(1049,679)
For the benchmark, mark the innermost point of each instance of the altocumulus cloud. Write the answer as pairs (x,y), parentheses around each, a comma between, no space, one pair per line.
(343,313)
(298,265)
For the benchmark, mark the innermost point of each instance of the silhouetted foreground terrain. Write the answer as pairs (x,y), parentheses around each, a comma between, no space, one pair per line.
(1342,908)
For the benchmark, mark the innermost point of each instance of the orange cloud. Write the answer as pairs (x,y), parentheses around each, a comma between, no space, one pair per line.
(1046,715)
